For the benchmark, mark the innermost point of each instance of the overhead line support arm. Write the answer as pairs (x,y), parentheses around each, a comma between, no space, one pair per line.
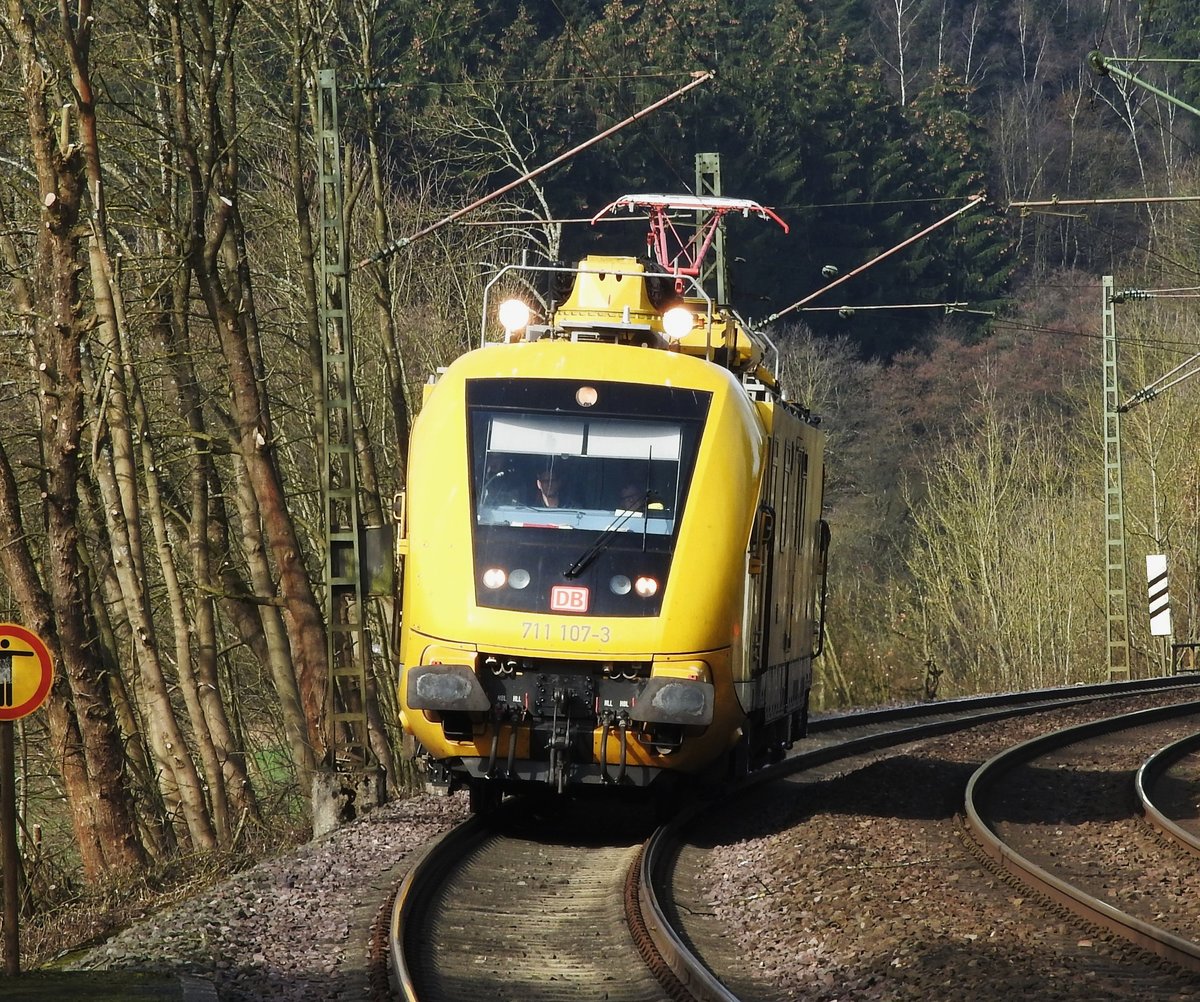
(1106,65)
(385,252)
(875,260)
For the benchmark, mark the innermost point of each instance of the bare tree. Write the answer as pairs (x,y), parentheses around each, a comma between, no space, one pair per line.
(893,40)
(206,127)
(83,716)
(999,557)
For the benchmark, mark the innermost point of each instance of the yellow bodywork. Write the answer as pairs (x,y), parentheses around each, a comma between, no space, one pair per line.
(717,599)
(703,601)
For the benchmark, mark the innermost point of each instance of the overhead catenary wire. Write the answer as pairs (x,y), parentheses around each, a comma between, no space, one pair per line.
(948,307)
(381,84)
(1158,344)
(1164,382)
(1171,295)
(789,207)
(1104,66)
(1056,202)
(1184,370)
(699,77)
(975,200)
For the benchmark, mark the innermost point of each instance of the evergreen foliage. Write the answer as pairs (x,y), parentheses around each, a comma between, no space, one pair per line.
(802,122)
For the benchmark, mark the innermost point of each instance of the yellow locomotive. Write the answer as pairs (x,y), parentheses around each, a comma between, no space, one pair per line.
(614,556)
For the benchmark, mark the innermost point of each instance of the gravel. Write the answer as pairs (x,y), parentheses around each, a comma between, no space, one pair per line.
(861,885)
(847,885)
(294,928)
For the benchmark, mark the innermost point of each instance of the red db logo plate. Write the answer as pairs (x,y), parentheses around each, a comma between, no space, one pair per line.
(568,598)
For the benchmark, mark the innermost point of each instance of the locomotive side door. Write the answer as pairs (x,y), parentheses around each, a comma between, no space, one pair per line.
(757,617)
(782,670)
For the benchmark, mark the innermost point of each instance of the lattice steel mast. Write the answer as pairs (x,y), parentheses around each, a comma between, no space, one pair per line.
(1114,505)
(344,590)
(708,182)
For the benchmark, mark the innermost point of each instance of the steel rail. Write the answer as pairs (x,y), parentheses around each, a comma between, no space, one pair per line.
(416,890)
(689,969)
(949,715)
(664,845)
(1068,692)
(424,880)
(1154,939)
(1152,770)
(654,862)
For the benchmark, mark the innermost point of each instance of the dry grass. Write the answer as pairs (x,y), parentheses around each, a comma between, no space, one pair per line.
(64,917)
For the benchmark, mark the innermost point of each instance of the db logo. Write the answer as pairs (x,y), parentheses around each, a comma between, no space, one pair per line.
(568,598)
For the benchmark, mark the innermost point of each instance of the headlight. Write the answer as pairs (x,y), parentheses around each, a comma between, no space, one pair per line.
(519,579)
(646,587)
(620,585)
(514,315)
(494,578)
(677,322)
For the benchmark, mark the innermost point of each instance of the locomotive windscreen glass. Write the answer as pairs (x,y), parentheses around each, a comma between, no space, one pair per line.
(572,473)
(551,477)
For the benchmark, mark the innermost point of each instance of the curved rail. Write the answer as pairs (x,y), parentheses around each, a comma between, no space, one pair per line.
(1066,693)
(687,969)
(415,890)
(422,892)
(1156,940)
(949,715)
(1152,770)
(660,948)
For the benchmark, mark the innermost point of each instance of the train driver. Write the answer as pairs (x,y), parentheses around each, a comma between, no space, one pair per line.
(550,490)
(632,498)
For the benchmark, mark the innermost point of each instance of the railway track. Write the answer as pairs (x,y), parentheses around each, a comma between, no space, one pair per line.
(1166,791)
(536,905)
(1061,814)
(527,905)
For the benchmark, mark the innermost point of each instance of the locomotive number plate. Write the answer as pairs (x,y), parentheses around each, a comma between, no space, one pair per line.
(568,598)
(577,633)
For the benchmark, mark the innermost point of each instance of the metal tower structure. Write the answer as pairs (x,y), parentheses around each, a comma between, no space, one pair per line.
(345,607)
(708,182)
(1114,504)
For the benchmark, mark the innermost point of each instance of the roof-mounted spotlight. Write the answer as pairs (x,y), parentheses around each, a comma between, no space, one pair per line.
(677,322)
(514,316)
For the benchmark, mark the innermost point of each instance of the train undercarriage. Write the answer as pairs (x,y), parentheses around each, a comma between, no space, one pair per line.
(525,724)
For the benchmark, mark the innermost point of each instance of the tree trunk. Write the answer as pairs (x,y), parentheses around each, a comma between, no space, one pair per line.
(153,810)
(227,754)
(210,164)
(102,822)
(116,475)
(278,651)
(110,836)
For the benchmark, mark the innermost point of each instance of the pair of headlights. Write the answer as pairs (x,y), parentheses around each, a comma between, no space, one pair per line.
(495,578)
(515,316)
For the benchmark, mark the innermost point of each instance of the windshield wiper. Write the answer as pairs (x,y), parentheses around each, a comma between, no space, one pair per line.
(601,544)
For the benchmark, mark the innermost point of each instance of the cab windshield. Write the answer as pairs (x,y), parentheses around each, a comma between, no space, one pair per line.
(578,485)
(570,472)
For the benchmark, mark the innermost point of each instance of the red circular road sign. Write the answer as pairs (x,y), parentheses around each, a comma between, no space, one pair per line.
(26,671)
